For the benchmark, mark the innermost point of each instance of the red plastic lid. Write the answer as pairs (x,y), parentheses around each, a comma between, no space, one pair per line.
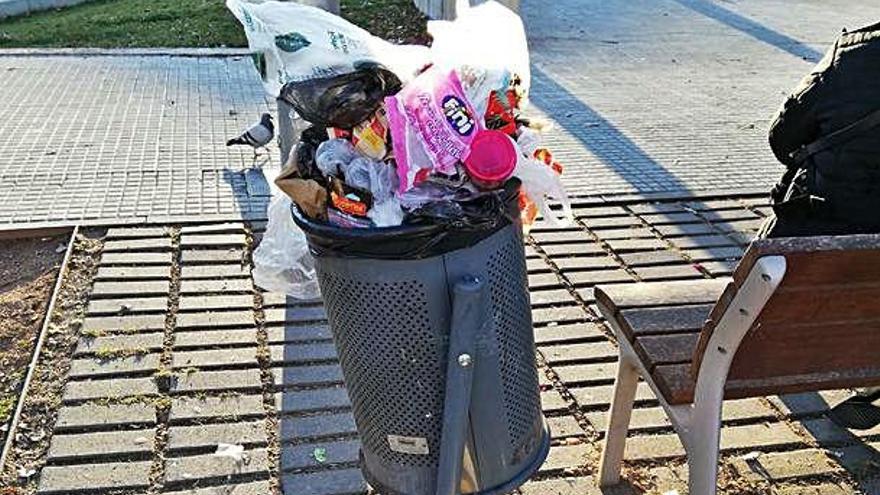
(492,157)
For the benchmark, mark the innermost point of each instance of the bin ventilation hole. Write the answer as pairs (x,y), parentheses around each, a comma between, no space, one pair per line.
(389,357)
(512,318)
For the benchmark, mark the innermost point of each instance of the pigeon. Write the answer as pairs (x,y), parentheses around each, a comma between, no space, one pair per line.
(257,135)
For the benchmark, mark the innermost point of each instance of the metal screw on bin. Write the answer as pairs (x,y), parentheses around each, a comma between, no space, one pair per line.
(464,360)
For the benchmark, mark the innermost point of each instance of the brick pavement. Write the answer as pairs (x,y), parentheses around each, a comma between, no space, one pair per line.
(646,96)
(179,354)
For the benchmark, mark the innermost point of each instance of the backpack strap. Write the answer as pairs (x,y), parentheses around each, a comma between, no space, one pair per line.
(837,137)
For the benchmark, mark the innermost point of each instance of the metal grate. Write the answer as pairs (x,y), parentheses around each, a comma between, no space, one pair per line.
(391,358)
(513,329)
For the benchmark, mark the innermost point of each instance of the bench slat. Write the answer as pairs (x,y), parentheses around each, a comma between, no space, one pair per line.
(649,294)
(675,382)
(655,350)
(665,320)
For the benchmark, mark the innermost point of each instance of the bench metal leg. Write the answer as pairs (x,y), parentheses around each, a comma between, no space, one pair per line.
(618,420)
(702,445)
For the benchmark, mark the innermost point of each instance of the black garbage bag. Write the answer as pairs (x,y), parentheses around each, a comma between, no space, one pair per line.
(305,151)
(432,231)
(342,101)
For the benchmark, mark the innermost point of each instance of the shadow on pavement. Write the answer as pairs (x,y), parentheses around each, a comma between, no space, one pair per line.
(752,28)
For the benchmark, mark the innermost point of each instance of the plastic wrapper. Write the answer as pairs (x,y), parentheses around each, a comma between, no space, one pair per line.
(295,43)
(432,115)
(333,155)
(386,213)
(282,262)
(377,177)
(486,44)
(540,183)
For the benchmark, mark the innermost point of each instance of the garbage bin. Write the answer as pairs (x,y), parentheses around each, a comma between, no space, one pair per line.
(434,333)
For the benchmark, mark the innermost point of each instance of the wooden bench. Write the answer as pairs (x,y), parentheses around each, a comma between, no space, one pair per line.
(799,314)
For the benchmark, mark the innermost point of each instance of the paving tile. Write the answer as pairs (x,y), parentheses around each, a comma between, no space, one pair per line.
(192,469)
(118,475)
(295,314)
(131,288)
(307,376)
(564,427)
(302,353)
(305,401)
(558,314)
(232,255)
(136,341)
(552,402)
(133,273)
(214,320)
(212,240)
(820,489)
(96,325)
(215,358)
(297,429)
(127,305)
(303,456)
(145,244)
(784,465)
(235,406)
(216,302)
(111,388)
(101,444)
(135,233)
(191,272)
(131,365)
(562,236)
(566,457)
(630,245)
(210,338)
(104,416)
(579,249)
(582,263)
(568,353)
(669,272)
(558,334)
(230,488)
(703,241)
(211,286)
(587,373)
(651,258)
(562,486)
(139,259)
(247,433)
(331,482)
(600,396)
(297,333)
(198,381)
(213,228)
(658,447)
(598,277)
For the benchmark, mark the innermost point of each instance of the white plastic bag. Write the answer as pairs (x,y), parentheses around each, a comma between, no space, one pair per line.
(294,42)
(486,45)
(282,262)
(539,183)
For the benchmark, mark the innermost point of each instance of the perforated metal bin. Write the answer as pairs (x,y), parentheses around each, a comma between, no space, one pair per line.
(438,356)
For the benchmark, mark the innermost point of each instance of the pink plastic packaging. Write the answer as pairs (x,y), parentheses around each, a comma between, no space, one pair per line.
(492,159)
(432,126)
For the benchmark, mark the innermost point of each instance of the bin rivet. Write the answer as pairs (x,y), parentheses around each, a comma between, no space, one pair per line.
(464,360)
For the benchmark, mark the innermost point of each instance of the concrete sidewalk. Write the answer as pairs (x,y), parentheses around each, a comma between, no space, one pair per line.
(646,96)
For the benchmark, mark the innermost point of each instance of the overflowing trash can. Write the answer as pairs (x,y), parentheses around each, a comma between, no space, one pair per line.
(410,174)
(434,332)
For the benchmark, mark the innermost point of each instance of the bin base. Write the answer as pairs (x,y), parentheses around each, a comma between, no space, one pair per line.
(518,480)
